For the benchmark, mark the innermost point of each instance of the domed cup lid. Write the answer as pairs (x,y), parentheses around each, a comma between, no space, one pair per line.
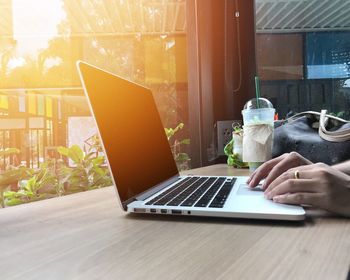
(260,103)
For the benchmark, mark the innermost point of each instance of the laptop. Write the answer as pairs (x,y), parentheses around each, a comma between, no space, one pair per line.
(142,166)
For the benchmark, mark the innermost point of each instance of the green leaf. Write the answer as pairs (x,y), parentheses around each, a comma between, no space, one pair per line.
(185,141)
(237,129)
(178,127)
(76,154)
(9,151)
(228,150)
(233,160)
(169,132)
(30,186)
(63,151)
(99,171)
(9,194)
(98,161)
(182,157)
(13,202)
(230,160)
(23,193)
(340,114)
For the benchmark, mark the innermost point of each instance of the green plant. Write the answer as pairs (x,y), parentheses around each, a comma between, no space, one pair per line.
(182,159)
(31,190)
(340,114)
(56,176)
(234,159)
(11,177)
(87,171)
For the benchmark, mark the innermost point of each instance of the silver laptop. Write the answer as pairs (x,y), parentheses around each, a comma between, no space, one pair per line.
(142,166)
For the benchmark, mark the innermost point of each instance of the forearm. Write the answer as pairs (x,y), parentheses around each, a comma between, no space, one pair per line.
(343,167)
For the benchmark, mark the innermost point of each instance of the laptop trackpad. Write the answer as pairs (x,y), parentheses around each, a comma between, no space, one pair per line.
(245,190)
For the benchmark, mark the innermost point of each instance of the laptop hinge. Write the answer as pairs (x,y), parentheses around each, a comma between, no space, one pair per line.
(157,188)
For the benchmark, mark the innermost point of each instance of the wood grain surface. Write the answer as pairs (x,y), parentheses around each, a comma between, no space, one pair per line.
(87,236)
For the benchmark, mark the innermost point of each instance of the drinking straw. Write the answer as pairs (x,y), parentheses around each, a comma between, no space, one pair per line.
(257,91)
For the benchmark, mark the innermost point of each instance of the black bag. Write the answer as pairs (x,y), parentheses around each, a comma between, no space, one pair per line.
(316,136)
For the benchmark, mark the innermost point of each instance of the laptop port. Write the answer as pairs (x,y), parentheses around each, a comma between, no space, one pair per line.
(153,210)
(139,210)
(178,212)
(163,211)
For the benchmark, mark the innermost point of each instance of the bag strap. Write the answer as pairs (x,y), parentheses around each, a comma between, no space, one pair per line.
(305,113)
(333,136)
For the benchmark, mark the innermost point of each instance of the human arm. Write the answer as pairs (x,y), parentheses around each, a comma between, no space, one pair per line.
(343,167)
(317,185)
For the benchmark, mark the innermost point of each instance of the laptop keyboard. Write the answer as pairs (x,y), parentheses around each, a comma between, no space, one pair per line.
(196,192)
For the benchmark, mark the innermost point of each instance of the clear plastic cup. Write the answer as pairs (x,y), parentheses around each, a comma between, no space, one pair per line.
(258,116)
(262,112)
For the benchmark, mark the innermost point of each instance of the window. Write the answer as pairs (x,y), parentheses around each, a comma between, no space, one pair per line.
(303,55)
(45,122)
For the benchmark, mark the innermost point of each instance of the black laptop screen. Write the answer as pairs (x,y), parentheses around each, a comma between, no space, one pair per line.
(131,130)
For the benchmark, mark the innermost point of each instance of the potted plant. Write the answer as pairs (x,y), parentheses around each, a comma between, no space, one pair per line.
(233,150)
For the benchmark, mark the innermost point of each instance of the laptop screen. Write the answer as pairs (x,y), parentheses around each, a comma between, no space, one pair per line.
(131,130)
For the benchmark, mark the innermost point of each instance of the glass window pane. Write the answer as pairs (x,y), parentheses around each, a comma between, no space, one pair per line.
(48,106)
(41,105)
(32,108)
(303,55)
(4,102)
(21,103)
(143,41)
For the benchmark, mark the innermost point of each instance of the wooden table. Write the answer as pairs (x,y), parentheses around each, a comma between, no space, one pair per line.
(86,236)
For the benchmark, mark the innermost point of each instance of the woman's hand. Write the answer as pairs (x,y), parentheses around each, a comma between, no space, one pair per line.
(317,185)
(275,167)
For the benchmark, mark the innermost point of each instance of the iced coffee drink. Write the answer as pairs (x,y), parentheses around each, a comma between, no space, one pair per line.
(258,117)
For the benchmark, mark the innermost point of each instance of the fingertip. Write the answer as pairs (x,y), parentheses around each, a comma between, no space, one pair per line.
(278,198)
(252,184)
(267,190)
(250,180)
(266,195)
(251,177)
(264,186)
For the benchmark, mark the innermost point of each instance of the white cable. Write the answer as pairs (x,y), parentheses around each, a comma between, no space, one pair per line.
(237,15)
(239,47)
